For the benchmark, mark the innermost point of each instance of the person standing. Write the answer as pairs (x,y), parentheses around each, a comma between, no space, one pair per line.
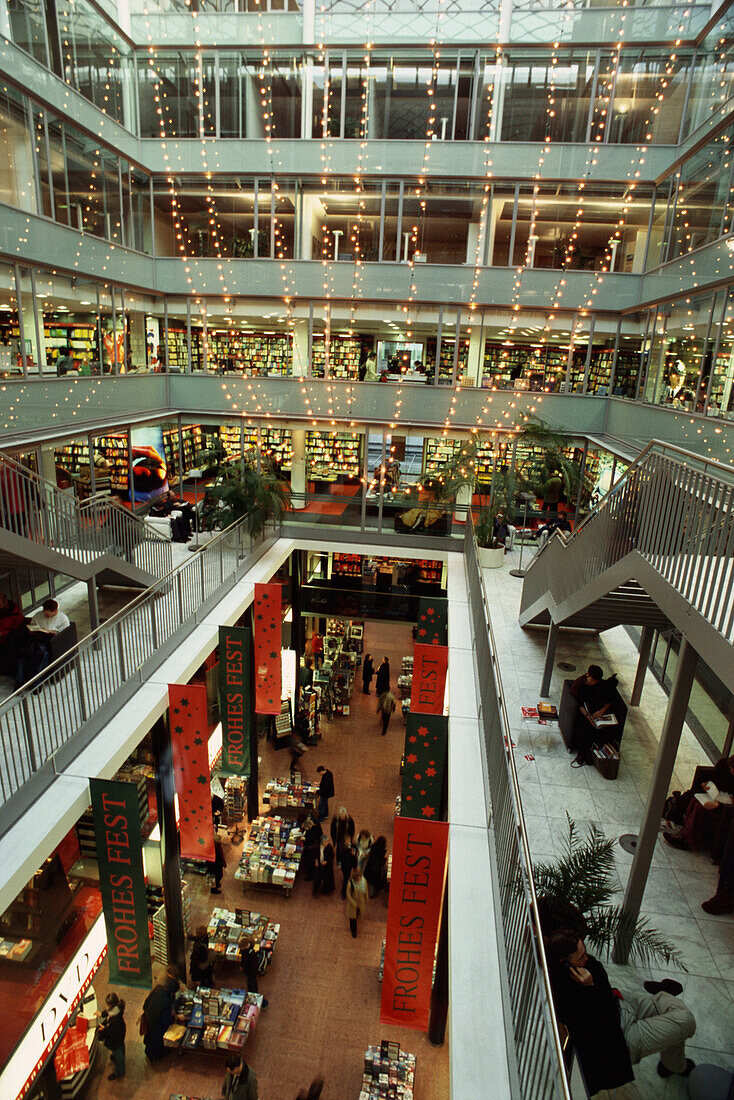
(324,878)
(218,869)
(382,683)
(386,708)
(368,671)
(251,969)
(326,791)
(240,1082)
(356,899)
(552,492)
(342,830)
(158,1014)
(347,863)
(317,647)
(200,966)
(375,868)
(365,840)
(112,1032)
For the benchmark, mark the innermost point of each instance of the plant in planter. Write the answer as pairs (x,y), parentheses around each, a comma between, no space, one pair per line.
(243,490)
(575,892)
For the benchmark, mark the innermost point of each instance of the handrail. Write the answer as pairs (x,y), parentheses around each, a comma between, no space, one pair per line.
(537,1081)
(38,510)
(49,710)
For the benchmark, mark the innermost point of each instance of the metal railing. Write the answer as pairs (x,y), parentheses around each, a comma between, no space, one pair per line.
(674,508)
(537,1045)
(51,711)
(40,512)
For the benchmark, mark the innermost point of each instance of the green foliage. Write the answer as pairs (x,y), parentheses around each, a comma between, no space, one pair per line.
(576,892)
(245,491)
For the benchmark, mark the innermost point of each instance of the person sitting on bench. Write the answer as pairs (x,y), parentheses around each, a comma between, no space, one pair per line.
(594,696)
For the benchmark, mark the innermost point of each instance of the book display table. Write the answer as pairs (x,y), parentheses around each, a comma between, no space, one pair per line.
(214,1020)
(232,932)
(271,854)
(389,1073)
(288,798)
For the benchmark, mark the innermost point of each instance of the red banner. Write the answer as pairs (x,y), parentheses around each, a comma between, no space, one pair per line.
(268,618)
(72,1053)
(430,663)
(416,894)
(189,737)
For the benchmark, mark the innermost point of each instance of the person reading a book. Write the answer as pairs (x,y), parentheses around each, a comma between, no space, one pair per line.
(594,695)
(701,808)
(612,1031)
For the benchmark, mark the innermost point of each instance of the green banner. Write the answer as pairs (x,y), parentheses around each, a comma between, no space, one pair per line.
(425,762)
(235,698)
(116,811)
(433,622)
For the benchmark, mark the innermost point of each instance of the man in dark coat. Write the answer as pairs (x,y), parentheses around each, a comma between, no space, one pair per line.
(611,1032)
(382,683)
(594,695)
(368,671)
(326,791)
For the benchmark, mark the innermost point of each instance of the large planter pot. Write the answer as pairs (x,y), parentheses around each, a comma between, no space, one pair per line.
(491,559)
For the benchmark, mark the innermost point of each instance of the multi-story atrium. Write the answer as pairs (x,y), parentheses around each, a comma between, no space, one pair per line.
(404,303)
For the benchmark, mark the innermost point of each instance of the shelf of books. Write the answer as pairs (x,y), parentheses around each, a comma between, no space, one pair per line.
(255,352)
(429,571)
(177,354)
(522,364)
(446,364)
(437,451)
(333,452)
(74,457)
(346,565)
(344,356)
(625,375)
(389,1073)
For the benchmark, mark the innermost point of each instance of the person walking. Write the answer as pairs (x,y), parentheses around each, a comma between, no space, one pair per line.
(326,791)
(251,959)
(356,899)
(200,966)
(313,1092)
(218,869)
(112,1032)
(365,840)
(368,671)
(386,708)
(375,868)
(323,882)
(382,683)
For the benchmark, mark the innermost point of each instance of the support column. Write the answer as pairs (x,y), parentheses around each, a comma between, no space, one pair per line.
(165,789)
(297,639)
(550,656)
(253,791)
(667,751)
(299,366)
(462,504)
(93,605)
(298,468)
(642,663)
(440,991)
(475,359)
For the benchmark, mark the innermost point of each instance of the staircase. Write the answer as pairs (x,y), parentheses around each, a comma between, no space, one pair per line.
(658,550)
(44,526)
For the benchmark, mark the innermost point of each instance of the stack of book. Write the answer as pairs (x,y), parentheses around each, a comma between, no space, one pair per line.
(272,853)
(231,932)
(297,794)
(389,1073)
(213,1019)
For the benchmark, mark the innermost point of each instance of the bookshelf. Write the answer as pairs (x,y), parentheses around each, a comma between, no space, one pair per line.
(346,565)
(344,356)
(35,922)
(74,458)
(333,452)
(259,353)
(446,363)
(429,571)
(177,354)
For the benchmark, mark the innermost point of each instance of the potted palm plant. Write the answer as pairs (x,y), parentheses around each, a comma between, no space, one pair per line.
(243,490)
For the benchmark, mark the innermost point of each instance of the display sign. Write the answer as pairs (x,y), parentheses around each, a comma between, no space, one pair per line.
(117,833)
(29,1057)
(187,713)
(430,663)
(416,895)
(268,611)
(433,621)
(425,763)
(235,708)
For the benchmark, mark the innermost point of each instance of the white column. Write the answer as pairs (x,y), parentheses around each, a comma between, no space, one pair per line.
(298,466)
(475,359)
(5,21)
(312,214)
(463,502)
(300,349)
(30,335)
(48,464)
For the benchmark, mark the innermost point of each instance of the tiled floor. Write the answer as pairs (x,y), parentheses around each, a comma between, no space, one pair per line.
(323,986)
(679,881)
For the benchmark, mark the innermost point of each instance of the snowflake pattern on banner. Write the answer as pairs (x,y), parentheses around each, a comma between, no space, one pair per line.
(189,742)
(268,610)
(433,628)
(425,760)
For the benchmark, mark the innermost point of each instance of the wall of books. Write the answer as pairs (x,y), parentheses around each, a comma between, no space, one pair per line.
(73,457)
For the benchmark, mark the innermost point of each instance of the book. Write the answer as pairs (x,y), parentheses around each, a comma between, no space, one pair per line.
(530,713)
(711,793)
(547,710)
(606,720)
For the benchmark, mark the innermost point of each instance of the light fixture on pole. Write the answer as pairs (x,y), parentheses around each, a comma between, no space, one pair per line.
(520,572)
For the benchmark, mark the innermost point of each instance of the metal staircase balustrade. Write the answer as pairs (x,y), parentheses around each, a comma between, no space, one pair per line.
(669,519)
(90,534)
(45,725)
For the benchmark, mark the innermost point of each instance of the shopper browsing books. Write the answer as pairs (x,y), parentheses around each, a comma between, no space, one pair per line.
(112,1033)
(356,899)
(200,965)
(326,791)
